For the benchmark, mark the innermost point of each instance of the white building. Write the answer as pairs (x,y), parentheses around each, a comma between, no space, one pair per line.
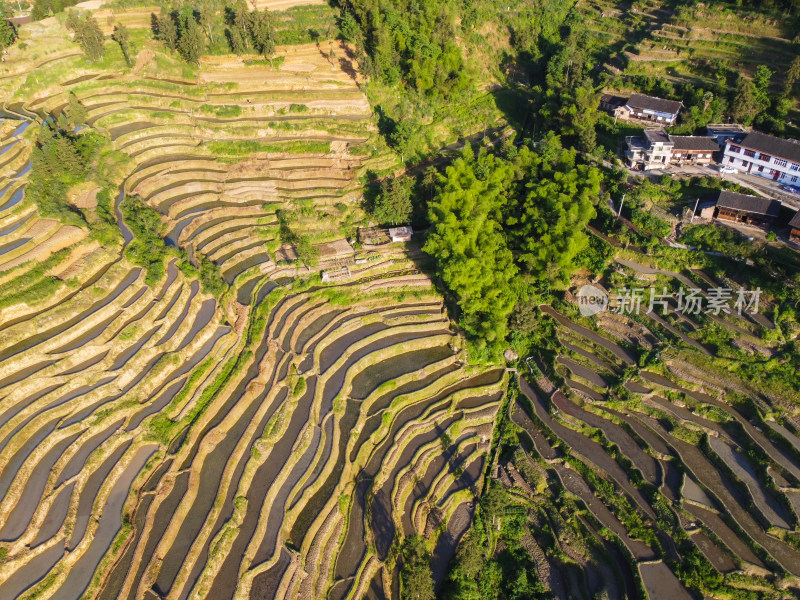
(765,155)
(656,149)
(401,234)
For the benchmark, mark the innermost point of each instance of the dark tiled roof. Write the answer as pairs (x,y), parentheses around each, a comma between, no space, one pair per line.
(652,103)
(694,142)
(613,100)
(656,136)
(795,222)
(751,204)
(769,144)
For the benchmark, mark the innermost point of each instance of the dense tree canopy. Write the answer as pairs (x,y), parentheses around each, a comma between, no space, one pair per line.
(250,30)
(393,204)
(59,160)
(8,32)
(180,30)
(46,8)
(546,220)
(495,217)
(408,40)
(468,244)
(416,582)
(191,42)
(484,569)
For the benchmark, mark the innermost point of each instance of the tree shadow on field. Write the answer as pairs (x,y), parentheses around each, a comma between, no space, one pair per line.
(346,65)
(516,106)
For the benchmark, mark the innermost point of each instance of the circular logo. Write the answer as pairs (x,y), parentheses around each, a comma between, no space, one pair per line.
(591,300)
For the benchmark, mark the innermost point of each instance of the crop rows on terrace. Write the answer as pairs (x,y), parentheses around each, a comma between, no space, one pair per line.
(279,439)
(700,45)
(673,462)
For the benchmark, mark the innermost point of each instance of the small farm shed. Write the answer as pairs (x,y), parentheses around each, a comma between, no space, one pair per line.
(401,234)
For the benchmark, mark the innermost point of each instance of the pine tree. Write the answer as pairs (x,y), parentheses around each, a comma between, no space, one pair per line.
(94,39)
(792,75)
(241,14)
(76,112)
(745,103)
(73,21)
(237,42)
(167,31)
(205,15)
(122,37)
(241,20)
(191,43)
(393,204)
(87,35)
(261,32)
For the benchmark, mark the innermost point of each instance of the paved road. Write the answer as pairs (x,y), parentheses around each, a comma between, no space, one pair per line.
(765,187)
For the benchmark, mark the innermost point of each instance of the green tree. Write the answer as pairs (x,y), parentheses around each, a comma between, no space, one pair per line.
(76,112)
(241,20)
(166,30)
(211,278)
(400,138)
(579,115)
(261,32)
(469,247)
(122,37)
(7,33)
(191,43)
(205,16)
(429,179)
(762,78)
(745,103)
(307,252)
(393,204)
(87,35)
(547,223)
(237,41)
(416,582)
(761,81)
(148,248)
(792,75)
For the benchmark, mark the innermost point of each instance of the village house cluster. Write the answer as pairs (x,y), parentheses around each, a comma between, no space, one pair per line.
(732,146)
(736,149)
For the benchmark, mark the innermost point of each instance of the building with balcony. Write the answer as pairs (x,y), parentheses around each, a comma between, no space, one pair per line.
(692,149)
(656,149)
(653,150)
(766,156)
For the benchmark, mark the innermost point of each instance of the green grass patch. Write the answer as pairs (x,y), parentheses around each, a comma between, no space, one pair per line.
(222,111)
(245,147)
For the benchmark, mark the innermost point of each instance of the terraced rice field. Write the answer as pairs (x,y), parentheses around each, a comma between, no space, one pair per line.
(698,44)
(670,459)
(276,441)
